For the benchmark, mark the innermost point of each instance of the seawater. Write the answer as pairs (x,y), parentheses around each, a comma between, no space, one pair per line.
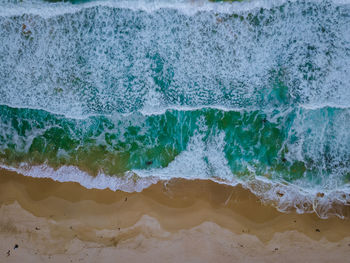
(121,94)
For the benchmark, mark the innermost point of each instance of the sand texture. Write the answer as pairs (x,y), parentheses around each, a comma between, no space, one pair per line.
(177,221)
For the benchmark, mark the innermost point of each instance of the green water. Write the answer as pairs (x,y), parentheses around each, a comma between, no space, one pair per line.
(116,144)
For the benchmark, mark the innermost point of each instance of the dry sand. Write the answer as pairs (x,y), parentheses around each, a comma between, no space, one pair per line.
(176,221)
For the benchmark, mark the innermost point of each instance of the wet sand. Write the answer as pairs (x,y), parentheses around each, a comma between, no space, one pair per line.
(178,221)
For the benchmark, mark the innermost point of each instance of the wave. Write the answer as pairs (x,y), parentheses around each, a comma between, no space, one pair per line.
(50,8)
(298,152)
(285,197)
(122,94)
(105,59)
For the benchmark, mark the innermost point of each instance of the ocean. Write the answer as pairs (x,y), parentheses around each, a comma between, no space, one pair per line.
(124,94)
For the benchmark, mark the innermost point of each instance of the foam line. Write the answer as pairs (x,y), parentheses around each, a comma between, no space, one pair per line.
(101,59)
(285,197)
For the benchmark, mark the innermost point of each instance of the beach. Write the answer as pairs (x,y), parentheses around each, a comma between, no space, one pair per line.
(174,131)
(177,221)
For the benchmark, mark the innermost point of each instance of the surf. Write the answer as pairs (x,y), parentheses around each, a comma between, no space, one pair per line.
(121,95)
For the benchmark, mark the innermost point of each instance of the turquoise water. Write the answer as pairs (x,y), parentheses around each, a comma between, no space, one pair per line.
(267,143)
(255,92)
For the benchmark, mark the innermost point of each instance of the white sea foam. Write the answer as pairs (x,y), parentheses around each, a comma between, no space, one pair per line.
(188,7)
(285,197)
(127,183)
(201,160)
(205,160)
(101,59)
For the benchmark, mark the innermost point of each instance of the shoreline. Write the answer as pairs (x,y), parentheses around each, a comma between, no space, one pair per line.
(65,221)
(283,196)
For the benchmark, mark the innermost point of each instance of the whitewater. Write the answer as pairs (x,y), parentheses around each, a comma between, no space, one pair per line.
(124,94)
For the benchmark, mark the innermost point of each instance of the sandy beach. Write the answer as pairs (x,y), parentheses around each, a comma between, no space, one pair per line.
(177,221)
(184,131)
